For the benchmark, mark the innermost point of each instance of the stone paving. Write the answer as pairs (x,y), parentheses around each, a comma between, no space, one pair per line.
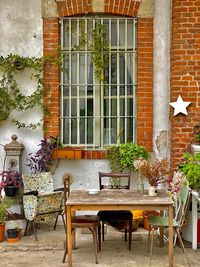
(48,251)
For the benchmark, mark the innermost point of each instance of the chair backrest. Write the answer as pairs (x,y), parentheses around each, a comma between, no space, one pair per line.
(182,205)
(42,182)
(66,181)
(114,180)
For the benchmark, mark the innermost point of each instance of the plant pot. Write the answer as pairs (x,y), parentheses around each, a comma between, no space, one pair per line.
(2,231)
(67,153)
(13,240)
(13,233)
(10,190)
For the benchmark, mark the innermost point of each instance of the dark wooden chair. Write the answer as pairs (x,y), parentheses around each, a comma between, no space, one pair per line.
(90,222)
(122,219)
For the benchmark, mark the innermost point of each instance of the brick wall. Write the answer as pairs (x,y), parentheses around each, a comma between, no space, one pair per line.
(185,74)
(145,63)
(145,83)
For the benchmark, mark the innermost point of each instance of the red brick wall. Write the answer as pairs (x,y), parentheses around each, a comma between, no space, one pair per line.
(145,83)
(145,63)
(51,77)
(185,73)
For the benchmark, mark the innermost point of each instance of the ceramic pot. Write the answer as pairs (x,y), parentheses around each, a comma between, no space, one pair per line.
(10,190)
(13,233)
(2,230)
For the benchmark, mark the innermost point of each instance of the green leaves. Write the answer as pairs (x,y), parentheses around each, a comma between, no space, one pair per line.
(122,157)
(191,168)
(11,97)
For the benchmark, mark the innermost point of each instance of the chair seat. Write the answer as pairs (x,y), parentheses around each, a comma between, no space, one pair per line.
(160,221)
(86,219)
(116,218)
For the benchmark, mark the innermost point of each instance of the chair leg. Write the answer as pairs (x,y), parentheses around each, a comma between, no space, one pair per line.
(182,245)
(65,253)
(94,233)
(99,236)
(27,223)
(125,232)
(149,239)
(54,228)
(64,224)
(152,237)
(103,231)
(34,229)
(130,233)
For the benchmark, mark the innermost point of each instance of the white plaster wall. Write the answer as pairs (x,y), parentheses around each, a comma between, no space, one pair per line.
(21,33)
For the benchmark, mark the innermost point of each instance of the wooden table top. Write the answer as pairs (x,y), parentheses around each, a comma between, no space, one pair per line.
(118,197)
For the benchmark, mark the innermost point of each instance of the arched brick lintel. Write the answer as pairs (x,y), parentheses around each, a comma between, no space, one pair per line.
(71,8)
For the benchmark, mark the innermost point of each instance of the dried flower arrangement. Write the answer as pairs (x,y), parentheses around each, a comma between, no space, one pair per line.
(156,172)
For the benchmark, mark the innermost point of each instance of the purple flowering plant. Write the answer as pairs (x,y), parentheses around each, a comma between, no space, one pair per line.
(10,177)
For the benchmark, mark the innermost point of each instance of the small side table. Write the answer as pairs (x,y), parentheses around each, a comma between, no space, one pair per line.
(195,200)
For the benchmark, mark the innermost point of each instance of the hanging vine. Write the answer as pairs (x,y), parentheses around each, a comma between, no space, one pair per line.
(11,96)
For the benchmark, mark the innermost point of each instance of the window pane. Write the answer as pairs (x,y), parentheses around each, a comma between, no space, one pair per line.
(130,130)
(114,33)
(122,68)
(122,33)
(90,69)
(66,131)
(82,131)
(74,131)
(122,130)
(130,107)
(129,90)
(129,68)
(90,107)
(82,107)
(65,90)
(74,32)
(113,131)
(66,68)
(90,131)
(114,107)
(74,107)
(106,107)
(106,131)
(66,33)
(82,90)
(74,69)
(113,90)
(89,90)
(74,91)
(122,107)
(114,69)
(66,107)
(82,69)
(130,33)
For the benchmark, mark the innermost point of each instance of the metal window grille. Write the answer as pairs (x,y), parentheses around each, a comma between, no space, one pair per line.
(93,114)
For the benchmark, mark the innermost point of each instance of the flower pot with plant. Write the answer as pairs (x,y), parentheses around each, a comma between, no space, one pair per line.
(121,157)
(5,204)
(191,168)
(11,181)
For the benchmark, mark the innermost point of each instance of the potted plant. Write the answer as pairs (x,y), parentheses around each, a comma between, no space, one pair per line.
(5,203)
(121,157)
(191,168)
(42,160)
(195,147)
(11,180)
(156,171)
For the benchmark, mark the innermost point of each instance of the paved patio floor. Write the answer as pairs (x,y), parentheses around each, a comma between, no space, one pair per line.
(48,251)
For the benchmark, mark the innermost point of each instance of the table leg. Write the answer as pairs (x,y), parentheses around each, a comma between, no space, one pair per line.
(161,231)
(194,223)
(170,248)
(73,213)
(69,236)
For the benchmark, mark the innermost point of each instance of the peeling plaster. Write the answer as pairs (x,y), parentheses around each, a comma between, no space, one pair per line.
(162,144)
(98,5)
(49,9)
(146,9)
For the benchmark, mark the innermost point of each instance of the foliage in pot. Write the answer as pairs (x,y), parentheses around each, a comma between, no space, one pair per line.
(10,179)
(42,159)
(5,203)
(122,156)
(191,168)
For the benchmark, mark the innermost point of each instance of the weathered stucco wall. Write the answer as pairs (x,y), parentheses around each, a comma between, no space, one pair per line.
(21,33)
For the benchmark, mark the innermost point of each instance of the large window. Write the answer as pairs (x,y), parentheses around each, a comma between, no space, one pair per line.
(95,114)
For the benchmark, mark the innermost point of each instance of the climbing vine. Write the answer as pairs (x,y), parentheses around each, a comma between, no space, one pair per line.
(11,96)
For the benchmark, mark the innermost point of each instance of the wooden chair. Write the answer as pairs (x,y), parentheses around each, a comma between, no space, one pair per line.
(178,221)
(90,222)
(122,219)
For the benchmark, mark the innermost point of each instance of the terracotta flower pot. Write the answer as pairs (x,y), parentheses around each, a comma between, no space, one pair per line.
(2,231)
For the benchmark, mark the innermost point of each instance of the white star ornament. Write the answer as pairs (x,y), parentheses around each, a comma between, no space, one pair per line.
(180,106)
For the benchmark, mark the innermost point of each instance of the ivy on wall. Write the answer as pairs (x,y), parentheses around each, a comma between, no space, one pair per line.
(11,96)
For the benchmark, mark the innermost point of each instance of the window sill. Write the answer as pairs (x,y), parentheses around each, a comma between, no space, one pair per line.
(78,153)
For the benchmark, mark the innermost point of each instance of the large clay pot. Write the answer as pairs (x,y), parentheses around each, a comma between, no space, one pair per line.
(2,230)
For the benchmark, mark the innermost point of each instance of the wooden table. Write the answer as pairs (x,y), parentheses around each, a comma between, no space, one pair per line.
(118,200)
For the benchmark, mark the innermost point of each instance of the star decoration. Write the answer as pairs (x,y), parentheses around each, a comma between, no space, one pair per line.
(180,106)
